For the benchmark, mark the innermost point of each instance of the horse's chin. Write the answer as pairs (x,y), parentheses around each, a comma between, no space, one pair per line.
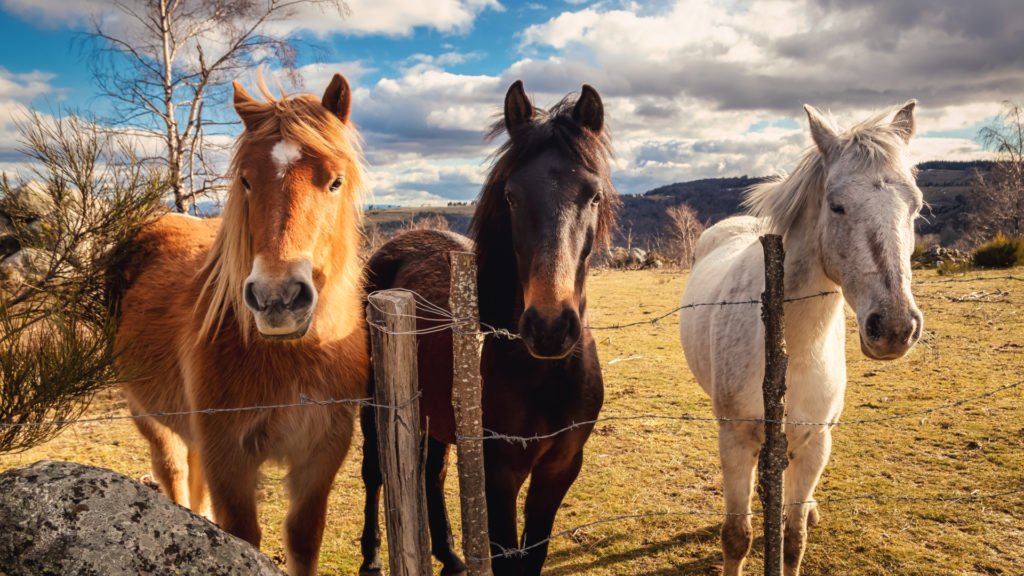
(559,356)
(297,334)
(875,355)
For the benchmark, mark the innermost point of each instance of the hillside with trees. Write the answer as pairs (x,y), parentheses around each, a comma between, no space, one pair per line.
(948,188)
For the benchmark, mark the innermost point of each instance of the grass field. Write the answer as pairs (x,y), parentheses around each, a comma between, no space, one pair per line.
(974,342)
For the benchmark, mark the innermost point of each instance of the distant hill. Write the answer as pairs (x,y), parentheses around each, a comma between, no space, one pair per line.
(946,186)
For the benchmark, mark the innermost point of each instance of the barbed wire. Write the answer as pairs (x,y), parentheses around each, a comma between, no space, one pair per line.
(304,401)
(974,495)
(446,321)
(974,279)
(525,440)
(661,317)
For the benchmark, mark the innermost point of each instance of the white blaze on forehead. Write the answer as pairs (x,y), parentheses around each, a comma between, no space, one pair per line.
(285,154)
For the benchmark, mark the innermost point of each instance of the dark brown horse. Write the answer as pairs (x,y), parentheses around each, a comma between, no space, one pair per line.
(547,203)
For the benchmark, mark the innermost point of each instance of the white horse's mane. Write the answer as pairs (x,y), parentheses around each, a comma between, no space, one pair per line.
(874,144)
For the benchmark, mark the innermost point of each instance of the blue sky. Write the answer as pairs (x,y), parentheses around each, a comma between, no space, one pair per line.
(692,88)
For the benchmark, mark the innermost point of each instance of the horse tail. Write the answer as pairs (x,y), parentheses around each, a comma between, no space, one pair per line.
(123,265)
(381,270)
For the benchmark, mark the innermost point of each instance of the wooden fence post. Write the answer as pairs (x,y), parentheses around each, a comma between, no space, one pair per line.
(466,399)
(773,458)
(392,324)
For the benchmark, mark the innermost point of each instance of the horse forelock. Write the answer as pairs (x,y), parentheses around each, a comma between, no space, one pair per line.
(299,119)
(549,129)
(871,145)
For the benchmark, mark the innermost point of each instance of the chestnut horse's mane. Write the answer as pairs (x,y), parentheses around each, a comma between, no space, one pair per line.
(554,128)
(299,118)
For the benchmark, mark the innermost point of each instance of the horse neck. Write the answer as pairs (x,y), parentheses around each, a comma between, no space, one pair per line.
(807,321)
(499,289)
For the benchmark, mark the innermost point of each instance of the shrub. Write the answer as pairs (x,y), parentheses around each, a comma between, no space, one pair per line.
(1000,252)
(82,194)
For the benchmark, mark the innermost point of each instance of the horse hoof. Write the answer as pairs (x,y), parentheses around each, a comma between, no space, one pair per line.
(454,568)
(371,571)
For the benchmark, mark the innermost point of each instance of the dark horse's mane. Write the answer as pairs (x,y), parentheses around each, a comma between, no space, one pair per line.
(490,228)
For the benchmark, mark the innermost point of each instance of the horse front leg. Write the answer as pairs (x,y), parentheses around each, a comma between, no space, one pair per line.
(441,541)
(372,482)
(502,489)
(738,445)
(309,483)
(807,462)
(549,484)
(232,477)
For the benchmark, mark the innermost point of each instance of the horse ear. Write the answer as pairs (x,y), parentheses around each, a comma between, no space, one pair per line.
(904,123)
(241,100)
(589,110)
(338,97)
(824,134)
(518,108)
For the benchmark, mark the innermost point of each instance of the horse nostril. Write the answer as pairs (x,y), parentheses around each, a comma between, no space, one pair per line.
(529,322)
(918,323)
(873,327)
(249,294)
(299,296)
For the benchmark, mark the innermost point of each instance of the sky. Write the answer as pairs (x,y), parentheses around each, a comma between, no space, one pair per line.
(692,88)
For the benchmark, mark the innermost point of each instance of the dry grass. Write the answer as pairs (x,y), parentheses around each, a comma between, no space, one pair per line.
(641,466)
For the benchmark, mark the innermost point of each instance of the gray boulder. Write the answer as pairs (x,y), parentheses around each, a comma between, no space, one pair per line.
(66,518)
(25,266)
(28,201)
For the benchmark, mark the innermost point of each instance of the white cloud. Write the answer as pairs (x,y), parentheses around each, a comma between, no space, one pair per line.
(684,82)
(366,17)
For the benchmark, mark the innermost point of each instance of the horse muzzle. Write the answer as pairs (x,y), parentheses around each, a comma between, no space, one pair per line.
(282,307)
(891,336)
(550,337)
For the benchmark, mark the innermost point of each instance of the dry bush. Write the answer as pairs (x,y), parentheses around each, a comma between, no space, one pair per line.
(998,202)
(427,222)
(56,339)
(682,229)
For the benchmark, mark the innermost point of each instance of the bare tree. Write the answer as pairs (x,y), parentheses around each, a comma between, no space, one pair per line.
(162,61)
(682,229)
(999,193)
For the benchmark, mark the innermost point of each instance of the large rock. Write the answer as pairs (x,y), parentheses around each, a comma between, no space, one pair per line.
(9,243)
(25,266)
(28,201)
(65,518)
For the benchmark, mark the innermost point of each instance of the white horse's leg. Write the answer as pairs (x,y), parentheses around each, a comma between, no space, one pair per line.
(807,461)
(738,444)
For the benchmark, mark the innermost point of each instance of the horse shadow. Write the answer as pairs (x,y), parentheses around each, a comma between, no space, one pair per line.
(710,564)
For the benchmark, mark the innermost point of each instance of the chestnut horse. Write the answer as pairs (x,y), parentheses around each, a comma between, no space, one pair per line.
(262,308)
(547,202)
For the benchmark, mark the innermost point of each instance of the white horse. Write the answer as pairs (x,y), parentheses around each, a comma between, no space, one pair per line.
(847,218)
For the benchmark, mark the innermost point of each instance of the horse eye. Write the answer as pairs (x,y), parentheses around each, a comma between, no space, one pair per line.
(245,183)
(596,199)
(336,185)
(837,208)
(510,198)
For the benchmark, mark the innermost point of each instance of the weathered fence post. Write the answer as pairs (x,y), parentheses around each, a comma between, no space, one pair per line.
(773,459)
(391,315)
(466,399)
